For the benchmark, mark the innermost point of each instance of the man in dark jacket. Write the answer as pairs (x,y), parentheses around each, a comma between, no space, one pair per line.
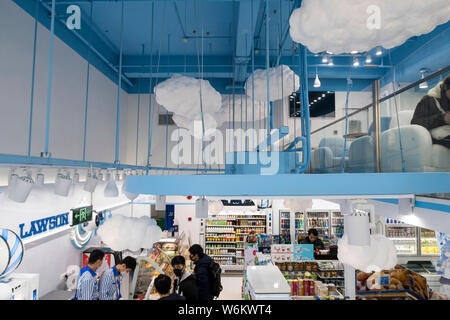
(433,113)
(163,284)
(202,271)
(185,284)
(313,238)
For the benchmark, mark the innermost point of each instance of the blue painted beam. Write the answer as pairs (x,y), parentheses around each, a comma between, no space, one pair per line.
(313,185)
(224,85)
(31,160)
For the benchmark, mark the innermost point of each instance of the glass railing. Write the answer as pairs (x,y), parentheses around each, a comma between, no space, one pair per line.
(413,134)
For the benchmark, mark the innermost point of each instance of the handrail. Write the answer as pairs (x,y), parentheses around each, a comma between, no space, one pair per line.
(412,85)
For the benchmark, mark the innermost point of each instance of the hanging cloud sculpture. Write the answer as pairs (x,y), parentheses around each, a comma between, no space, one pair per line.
(281,83)
(126,233)
(181,95)
(380,255)
(342,26)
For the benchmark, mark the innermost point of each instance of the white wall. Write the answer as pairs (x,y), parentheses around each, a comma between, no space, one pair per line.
(67,98)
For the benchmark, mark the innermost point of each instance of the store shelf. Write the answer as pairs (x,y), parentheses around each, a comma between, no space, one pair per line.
(222,255)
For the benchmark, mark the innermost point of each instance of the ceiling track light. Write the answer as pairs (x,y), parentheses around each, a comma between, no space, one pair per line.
(76,177)
(330,62)
(21,188)
(91,182)
(355,62)
(62,184)
(324,58)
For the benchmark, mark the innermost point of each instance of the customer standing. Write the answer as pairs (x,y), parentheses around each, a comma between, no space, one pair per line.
(111,279)
(163,285)
(185,283)
(202,271)
(87,284)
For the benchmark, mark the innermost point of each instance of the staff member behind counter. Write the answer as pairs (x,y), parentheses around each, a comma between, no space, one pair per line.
(313,238)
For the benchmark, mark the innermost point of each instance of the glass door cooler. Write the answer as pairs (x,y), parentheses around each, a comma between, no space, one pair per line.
(285,223)
(299,224)
(428,243)
(321,222)
(337,224)
(404,237)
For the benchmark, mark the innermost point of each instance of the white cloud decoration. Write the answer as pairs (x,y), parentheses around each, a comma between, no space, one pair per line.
(342,26)
(276,91)
(181,95)
(127,233)
(380,255)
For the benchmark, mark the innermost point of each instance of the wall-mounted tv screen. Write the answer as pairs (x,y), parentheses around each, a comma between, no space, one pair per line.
(321,104)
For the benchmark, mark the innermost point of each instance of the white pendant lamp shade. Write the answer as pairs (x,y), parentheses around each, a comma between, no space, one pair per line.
(111,190)
(90,184)
(201,208)
(100,176)
(357,229)
(62,185)
(317,83)
(21,189)
(160,202)
(130,196)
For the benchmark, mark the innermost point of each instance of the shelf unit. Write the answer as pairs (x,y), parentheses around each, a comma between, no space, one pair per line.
(299,223)
(229,251)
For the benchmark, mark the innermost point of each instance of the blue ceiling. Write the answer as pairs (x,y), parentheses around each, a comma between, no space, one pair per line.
(218,36)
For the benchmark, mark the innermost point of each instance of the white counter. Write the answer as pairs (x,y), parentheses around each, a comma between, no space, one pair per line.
(267,283)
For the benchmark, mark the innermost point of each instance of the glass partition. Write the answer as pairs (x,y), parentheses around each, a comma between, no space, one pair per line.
(414,136)
(417,139)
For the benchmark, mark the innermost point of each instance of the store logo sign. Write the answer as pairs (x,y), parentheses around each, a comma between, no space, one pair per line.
(42,225)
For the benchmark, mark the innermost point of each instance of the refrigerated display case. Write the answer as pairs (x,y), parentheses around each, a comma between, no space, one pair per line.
(319,220)
(404,237)
(299,224)
(285,223)
(337,224)
(428,243)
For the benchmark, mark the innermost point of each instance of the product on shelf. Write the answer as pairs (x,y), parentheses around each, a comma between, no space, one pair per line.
(398,279)
(226,233)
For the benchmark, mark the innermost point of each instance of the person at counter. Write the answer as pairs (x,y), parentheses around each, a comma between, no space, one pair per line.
(163,285)
(313,238)
(87,284)
(109,286)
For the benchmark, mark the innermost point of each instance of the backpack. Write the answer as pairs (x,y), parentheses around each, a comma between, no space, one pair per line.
(216,283)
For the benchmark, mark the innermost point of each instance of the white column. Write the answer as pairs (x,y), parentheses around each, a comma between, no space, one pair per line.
(350,281)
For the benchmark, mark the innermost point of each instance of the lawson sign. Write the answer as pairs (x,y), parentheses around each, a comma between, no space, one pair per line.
(40,226)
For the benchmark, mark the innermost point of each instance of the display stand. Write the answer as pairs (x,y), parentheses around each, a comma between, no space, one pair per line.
(146,270)
(267,283)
